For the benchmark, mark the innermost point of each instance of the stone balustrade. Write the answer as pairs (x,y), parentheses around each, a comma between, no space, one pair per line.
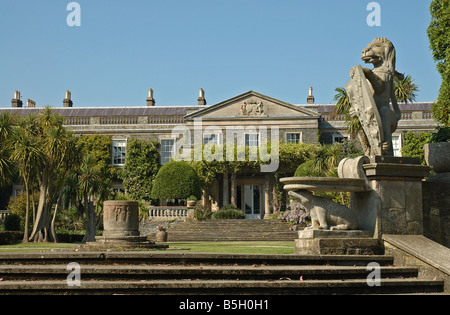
(167,212)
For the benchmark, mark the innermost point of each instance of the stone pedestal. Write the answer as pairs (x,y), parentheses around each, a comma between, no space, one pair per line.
(121,227)
(394,203)
(336,242)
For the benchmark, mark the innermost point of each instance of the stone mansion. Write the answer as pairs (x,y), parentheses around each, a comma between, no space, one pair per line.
(294,122)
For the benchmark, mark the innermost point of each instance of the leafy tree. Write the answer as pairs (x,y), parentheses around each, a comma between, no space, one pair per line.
(176,180)
(439,37)
(141,167)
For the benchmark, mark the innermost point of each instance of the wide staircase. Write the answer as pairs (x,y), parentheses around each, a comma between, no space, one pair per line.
(52,273)
(231,230)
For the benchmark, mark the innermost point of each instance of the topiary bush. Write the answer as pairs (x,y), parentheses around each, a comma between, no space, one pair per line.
(228,212)
(176,180)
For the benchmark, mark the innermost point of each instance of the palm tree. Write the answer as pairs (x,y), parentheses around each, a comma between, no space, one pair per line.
(353,124)
(6,131)
(25,152)
(56,146)
(405,89)
(89,184)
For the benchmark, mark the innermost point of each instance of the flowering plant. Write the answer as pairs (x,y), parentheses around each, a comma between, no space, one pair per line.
(296,214)
(161,227)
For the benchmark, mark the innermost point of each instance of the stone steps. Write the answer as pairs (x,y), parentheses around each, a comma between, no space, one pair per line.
(231,230)
(205,273)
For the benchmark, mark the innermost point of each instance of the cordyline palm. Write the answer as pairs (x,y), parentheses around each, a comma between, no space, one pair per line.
(89,184)
(353,124)
(55,144)
(25,153)
(6,131)
(405,89)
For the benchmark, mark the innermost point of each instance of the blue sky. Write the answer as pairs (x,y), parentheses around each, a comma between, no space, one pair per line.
(227,47)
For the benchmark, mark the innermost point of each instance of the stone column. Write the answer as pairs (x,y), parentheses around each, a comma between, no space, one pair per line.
(226,195)
(233,189)
(267,191)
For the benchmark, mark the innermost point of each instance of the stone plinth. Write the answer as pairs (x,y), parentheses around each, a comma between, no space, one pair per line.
(336,242)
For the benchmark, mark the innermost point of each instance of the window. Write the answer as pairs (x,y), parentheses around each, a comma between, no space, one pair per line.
(119,148)
(397,145)
(211,138)
(338,138)
(167,150)
(252,140)
(293,137)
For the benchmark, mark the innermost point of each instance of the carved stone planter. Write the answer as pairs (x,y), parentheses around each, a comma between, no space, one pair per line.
(437,155)
(120,218)
(121,228)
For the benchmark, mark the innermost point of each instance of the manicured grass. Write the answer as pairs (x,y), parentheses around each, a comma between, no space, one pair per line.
(210,247)
(234,247)
(33,247)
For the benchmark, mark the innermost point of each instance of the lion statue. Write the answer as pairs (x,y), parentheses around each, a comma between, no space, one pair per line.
(381,53)
(326,214)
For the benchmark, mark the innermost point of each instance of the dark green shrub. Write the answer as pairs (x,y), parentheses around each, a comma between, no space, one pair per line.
(413,144)
(442,134)
(10,237)
(201,213)
(228,212)
(176,180)
(12,222)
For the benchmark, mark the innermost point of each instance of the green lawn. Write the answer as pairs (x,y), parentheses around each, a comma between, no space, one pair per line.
(210,247)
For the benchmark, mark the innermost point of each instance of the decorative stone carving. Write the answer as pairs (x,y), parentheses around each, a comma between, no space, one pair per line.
(326,214)
(252,108)
(370,93)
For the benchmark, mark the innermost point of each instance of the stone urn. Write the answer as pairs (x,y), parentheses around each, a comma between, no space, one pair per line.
(191,203)
(437,155)
(161,236)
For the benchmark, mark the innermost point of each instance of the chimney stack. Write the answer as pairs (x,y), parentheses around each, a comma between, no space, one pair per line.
(310,100)
(201,98)
(16,102)
(31,104)
(67,102)
(150,100)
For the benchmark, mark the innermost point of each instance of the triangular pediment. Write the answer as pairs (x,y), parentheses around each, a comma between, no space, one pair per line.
(252,105)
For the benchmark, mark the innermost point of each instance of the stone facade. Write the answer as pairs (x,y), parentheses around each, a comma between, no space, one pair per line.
(252,112)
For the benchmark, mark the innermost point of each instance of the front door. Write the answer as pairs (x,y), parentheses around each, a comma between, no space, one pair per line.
(252,201)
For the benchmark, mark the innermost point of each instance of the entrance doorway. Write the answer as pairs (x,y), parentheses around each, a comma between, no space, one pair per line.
(249,197)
